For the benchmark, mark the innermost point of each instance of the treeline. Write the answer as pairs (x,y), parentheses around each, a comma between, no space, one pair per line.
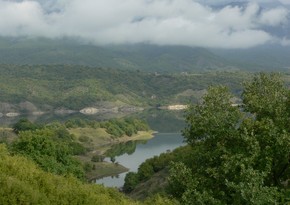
(154,165)
(121,127)
(235,154)
(115,127)
(50,146)
(121,148)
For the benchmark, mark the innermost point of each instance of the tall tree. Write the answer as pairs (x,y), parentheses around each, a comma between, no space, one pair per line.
(240,155)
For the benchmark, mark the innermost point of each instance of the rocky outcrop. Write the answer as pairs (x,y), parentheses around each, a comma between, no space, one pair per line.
(14,110)
(89,111)
(101,110)
(12,114)
(177,107)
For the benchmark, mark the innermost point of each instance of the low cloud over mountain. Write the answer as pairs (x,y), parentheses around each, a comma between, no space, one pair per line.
(161,22)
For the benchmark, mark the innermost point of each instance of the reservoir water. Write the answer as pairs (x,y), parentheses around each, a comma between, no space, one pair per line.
(162,142)
(168,125)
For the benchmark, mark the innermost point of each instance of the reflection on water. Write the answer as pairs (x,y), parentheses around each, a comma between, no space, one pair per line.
(50,117)
(123,148)
(130,154)
(162,142)
(159,120)
(163,121)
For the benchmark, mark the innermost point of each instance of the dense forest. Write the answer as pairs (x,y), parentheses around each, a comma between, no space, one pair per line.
(235,154)
(75,87)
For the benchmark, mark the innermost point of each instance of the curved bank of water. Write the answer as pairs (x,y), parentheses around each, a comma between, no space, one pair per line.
(162,142)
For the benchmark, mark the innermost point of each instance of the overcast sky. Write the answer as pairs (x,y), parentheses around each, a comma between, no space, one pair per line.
(162,22)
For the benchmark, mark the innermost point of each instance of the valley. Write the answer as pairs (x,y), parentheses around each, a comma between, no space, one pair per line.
(144,102)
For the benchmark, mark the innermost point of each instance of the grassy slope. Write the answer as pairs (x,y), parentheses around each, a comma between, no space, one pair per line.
(99,141)
(22,182)
(30,185)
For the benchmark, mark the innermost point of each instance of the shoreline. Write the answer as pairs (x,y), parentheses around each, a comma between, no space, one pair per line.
(100,146)
(105,169)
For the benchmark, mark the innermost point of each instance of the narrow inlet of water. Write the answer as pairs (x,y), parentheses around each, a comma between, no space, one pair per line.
(162,142)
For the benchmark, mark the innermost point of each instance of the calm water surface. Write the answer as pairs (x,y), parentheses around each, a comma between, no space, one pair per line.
(168,124)
(157,145)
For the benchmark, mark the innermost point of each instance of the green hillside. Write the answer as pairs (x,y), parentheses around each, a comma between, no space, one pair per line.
(22,182)
(143,57)
(76,87)
(235,154)
(267,57)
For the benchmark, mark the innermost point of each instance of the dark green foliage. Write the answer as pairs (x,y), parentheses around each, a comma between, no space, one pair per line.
(131,181)
(51,150)
(156,164)
(22,182)
(237,157)
(234,157)
(76,87)
(24,125)
(120,127)
(266,96)
(121,148)
(78,122)
(145,171)
(77,148)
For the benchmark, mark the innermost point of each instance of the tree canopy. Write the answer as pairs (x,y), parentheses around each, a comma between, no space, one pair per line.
(241,154)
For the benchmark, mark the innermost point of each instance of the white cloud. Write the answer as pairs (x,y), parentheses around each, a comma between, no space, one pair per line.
(274,17)
(170,22)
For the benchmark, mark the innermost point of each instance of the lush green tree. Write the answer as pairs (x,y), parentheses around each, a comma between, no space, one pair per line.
(238,157)
(22,182)
(145,171)
(131,181)
(120,127)
(267,97)
(24,125)
(51,155)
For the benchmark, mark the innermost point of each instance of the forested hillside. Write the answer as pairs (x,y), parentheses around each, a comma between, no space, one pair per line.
(46,164)
(143,57)
(235,155)
(75,87)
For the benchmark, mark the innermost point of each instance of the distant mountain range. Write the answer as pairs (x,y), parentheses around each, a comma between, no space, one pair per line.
(151,58)
(267,57)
